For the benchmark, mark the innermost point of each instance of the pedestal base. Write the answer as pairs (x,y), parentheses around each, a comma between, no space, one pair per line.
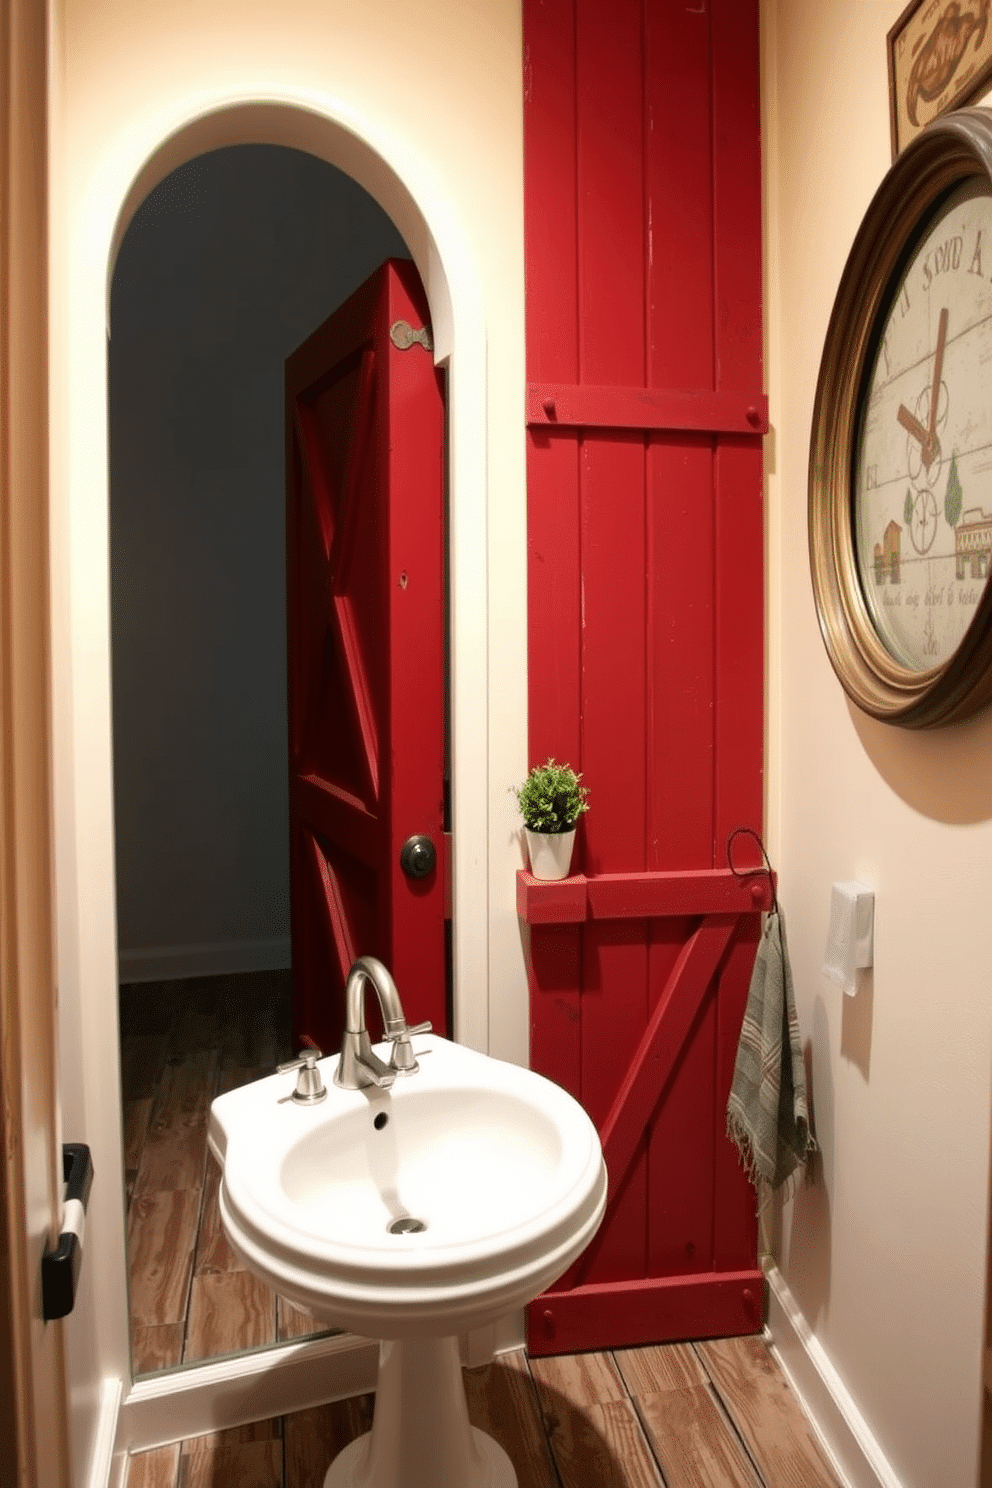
(421,1436)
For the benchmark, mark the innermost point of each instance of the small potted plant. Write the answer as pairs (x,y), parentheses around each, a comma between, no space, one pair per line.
(551,800)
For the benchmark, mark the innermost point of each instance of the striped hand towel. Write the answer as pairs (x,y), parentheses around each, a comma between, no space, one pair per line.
(767,1114)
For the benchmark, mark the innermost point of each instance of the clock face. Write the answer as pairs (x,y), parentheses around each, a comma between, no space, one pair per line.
(922,477)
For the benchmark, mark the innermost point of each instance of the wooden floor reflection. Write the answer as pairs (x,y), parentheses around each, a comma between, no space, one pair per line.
(182,1043)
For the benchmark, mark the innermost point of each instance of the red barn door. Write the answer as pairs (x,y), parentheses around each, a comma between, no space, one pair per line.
(365,562)
(645,414)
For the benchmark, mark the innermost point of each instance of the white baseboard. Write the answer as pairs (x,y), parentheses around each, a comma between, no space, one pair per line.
(843,1431)
(104,1470)
(168,963)
(243,1388)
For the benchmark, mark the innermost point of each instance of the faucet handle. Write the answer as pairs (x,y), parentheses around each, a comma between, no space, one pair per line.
(310,1088)
(407,1030)
(403,1060)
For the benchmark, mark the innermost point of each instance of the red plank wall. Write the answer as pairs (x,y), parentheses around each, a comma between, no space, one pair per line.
(645,414)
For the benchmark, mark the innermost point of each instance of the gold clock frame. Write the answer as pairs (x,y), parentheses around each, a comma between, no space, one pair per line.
(948,151)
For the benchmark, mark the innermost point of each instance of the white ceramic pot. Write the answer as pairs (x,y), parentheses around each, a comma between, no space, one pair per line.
(550,853)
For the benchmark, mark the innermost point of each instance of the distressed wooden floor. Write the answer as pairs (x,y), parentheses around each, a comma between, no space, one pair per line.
(706,1415)
(182,1043)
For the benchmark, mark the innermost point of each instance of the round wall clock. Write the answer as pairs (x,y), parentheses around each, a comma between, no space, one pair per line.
(900,476)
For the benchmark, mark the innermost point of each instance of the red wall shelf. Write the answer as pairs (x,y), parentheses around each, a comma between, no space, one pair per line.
(639,896)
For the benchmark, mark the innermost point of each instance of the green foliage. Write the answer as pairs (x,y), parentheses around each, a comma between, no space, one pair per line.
(954,495)
(907,510)
(551,798)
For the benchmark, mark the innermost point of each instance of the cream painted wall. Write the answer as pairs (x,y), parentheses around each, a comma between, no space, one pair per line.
(886,1254)
(421,100)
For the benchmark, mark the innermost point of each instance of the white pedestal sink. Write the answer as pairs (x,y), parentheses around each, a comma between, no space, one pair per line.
(412,1214)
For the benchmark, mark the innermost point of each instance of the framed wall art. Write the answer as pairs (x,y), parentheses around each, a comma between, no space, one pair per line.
(940,57)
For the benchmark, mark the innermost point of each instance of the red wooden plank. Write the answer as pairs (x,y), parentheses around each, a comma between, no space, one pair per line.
(549,189)
(553,602)
(680,1133)
(739,638)
(613,644)
(624,896)
(554,960)
(678,179)
(613,896)
(659,1310)
(680,678)
(614,1010)
(614,1003)
(609,188)
(737,193)
(659,1048)
(553,405)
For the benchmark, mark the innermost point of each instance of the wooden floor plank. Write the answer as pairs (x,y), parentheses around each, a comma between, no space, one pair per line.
(502,1401)
(767,1415)
(173,1157)
(185,1090)
(158,1468)
(591,1423)
(213,1253)
(598,1445)
(244,1457)
(143,1058)
(581,1379)
(229,1311)
(313,1438)
(667,1366)
(157,1346)
(161,1236)
(182,1041)
(693,1442)
(292,1323)
(136,1115)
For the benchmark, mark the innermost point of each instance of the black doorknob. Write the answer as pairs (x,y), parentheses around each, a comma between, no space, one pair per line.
(418,857)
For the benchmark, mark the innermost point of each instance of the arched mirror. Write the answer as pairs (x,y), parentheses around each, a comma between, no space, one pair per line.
(225,268)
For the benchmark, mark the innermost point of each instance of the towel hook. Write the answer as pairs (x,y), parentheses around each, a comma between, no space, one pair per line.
(752,872)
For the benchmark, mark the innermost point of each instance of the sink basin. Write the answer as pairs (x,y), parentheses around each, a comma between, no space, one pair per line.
(411,1215)
(432,1207)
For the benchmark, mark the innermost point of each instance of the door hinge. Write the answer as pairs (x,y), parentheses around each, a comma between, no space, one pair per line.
(403,336)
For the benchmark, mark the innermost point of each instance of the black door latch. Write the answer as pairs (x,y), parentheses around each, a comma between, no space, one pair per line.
(60,1267)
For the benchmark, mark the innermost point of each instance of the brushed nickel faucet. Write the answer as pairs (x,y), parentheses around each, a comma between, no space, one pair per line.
(359,1065)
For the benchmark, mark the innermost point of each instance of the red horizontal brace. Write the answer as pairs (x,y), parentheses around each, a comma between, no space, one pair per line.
(709,1304)
(553,405)
(640,896)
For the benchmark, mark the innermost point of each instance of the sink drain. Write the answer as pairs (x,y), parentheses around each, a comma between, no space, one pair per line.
(406,1226)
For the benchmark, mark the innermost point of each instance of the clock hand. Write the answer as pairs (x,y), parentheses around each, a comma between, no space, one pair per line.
(938,371)
(913,426)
